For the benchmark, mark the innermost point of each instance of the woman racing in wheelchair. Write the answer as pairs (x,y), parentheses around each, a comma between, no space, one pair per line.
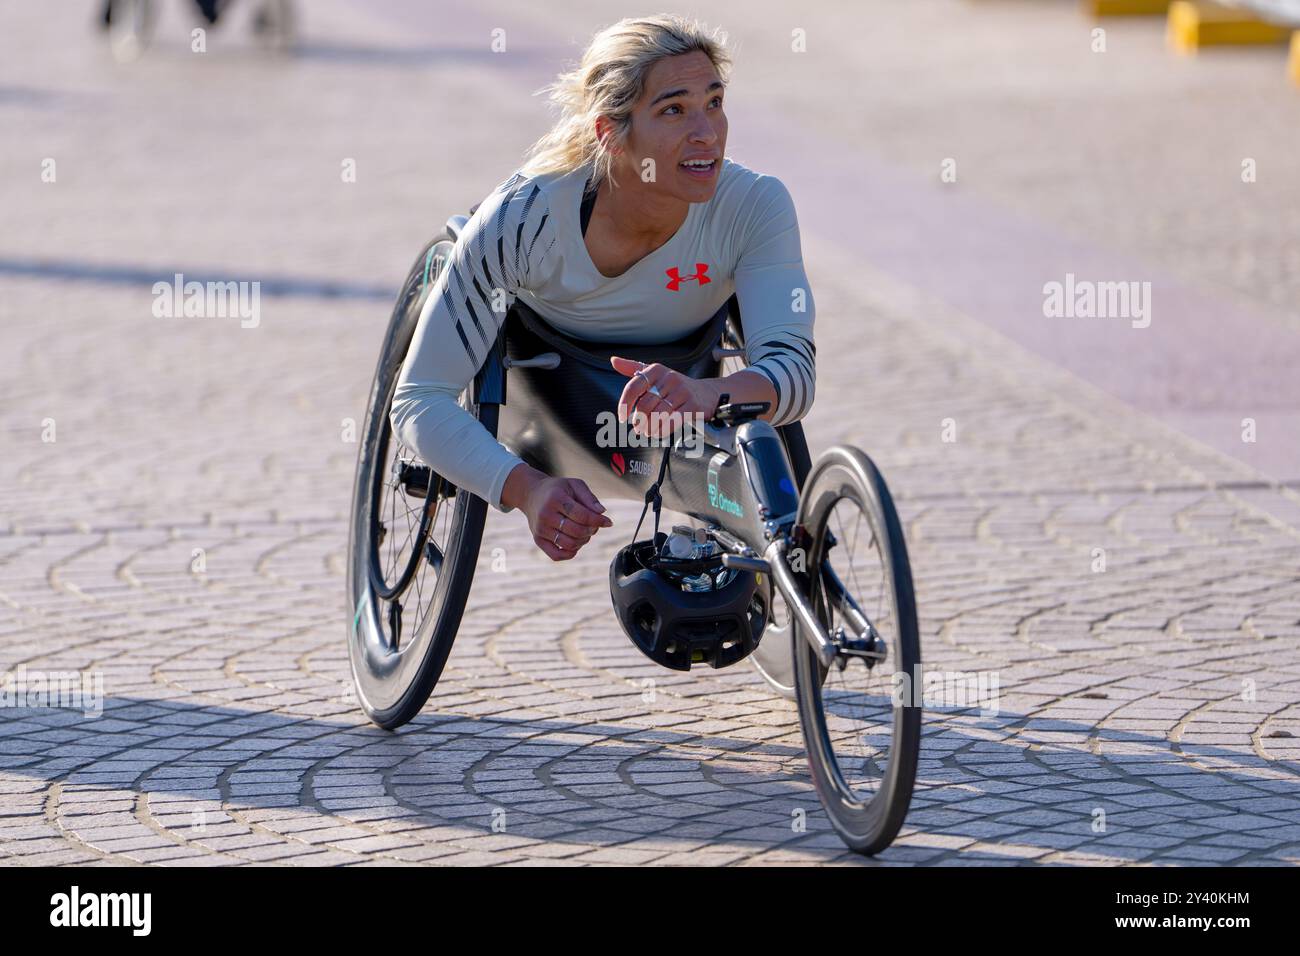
(627,224)
(624,265)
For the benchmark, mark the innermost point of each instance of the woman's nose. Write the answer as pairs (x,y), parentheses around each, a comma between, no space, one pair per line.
(703,130)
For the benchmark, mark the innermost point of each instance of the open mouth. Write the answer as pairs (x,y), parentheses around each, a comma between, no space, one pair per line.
(700,169)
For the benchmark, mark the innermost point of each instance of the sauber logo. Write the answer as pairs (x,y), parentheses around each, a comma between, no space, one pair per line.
(675,277)
(634,465)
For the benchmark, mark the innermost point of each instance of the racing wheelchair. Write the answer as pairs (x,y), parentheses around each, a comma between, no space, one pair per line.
(798,567)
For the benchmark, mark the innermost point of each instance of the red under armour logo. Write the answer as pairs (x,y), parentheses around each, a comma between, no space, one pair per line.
(675,278)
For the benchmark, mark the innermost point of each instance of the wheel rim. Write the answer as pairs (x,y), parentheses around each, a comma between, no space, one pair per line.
(397,589)
(409,535)
(772,658)
(390,644)
(858,725)
(863,740)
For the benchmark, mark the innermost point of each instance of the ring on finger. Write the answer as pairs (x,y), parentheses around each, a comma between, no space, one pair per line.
(561,527)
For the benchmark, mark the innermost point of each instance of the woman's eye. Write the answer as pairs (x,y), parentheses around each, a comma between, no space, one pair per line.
(716,99)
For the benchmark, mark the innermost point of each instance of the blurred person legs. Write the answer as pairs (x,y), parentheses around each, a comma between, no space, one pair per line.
(210,9)
(130,23)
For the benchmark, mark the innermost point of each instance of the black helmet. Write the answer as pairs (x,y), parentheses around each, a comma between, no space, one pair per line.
(676,627)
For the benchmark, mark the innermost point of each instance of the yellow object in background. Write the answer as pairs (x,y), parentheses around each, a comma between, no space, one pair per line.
(1125,8)
(1196,23)
(1293,61)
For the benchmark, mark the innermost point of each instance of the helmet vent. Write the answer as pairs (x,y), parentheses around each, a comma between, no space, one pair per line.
(644,617)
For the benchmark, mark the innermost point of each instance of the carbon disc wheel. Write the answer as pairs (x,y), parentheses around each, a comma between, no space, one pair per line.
(772,657)
(413,541)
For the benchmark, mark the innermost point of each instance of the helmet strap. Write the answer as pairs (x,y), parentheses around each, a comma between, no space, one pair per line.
(652,496)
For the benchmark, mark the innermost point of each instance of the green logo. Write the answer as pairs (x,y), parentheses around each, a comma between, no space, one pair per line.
(716,498)
(361,603)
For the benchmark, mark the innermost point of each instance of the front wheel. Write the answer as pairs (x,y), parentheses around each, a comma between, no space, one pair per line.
(862,726)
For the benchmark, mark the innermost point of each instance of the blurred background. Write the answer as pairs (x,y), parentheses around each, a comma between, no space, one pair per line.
(968,150)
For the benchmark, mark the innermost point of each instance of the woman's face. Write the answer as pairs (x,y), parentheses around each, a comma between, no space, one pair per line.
(678,118)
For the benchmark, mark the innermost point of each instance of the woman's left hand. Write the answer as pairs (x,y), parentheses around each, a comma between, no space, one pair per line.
(657,388)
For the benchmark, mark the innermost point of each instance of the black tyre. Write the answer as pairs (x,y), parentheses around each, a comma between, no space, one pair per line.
(861,724)
(413,539)
(772,656)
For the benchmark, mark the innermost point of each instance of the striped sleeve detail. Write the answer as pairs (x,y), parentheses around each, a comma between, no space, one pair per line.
(776,304)
(460,329)
(492,263)
(788,359)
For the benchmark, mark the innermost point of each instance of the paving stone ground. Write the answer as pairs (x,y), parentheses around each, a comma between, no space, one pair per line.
(1149,712)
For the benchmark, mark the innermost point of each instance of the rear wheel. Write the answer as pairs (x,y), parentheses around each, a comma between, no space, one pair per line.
(414,539)
(861,722)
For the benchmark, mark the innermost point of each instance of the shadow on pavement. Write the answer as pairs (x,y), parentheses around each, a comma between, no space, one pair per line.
(604,784)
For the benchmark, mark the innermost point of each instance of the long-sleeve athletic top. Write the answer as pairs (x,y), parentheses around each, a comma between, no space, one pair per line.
(525,241)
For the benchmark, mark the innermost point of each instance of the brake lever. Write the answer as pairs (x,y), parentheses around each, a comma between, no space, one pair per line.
(730,413)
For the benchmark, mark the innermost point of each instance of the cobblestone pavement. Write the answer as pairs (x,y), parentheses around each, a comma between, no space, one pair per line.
(1148,712)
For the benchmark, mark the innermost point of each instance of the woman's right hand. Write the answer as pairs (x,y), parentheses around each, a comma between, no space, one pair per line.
(562,513)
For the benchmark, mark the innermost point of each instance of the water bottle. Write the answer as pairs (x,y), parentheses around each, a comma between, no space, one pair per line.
(694,544)
(680,544)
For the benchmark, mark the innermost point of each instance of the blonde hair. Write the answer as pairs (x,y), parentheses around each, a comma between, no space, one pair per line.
(608,82)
